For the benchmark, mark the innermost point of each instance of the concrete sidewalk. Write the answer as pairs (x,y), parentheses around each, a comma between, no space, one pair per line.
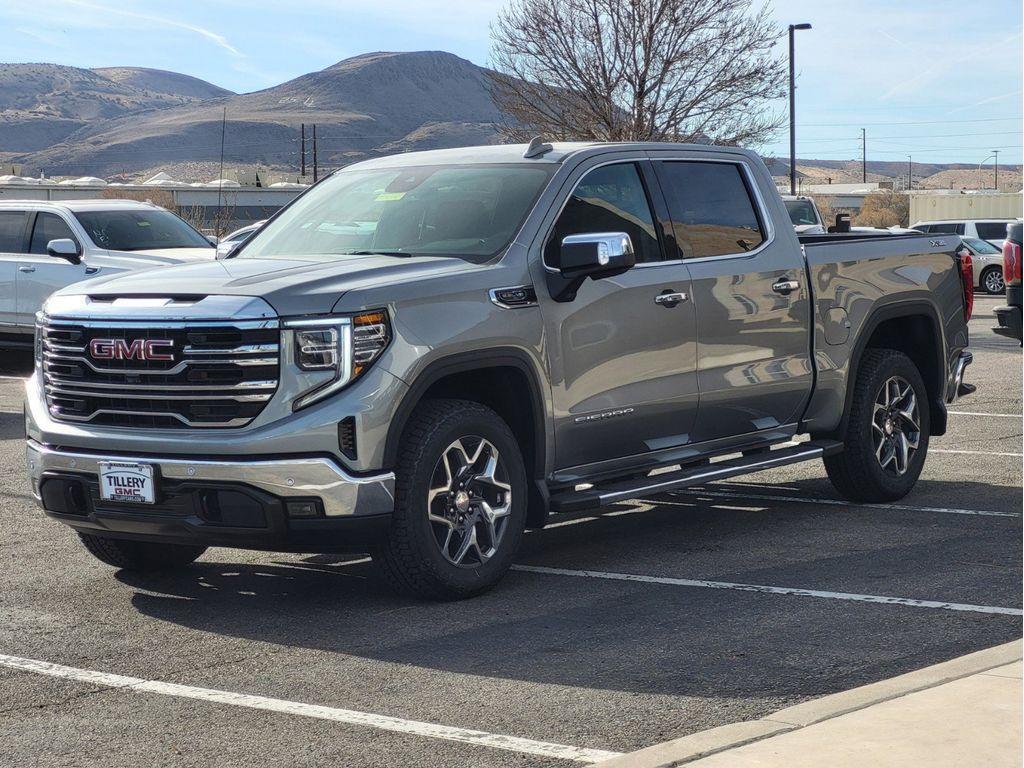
(964,712)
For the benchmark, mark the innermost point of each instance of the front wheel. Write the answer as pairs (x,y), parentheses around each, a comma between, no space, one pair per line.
(992,281)
(460,503)
(886,438)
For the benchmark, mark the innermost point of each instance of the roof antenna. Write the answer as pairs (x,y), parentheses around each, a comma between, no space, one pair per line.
(537,148)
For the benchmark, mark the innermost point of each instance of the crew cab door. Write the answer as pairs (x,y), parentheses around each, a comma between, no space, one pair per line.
(40,274)
(12,243)
(622,360)
(749,293)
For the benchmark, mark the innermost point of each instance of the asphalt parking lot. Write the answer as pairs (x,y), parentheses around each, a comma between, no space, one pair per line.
(618,630)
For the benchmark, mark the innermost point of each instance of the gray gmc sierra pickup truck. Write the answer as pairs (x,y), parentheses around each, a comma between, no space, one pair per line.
(428,353)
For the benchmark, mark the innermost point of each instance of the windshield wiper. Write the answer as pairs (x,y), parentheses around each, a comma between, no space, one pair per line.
(404,254)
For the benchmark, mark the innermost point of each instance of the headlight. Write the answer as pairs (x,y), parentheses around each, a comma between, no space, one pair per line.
(38,345)
(341,347)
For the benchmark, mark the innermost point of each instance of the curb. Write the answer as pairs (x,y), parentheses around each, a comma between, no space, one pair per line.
(704,743)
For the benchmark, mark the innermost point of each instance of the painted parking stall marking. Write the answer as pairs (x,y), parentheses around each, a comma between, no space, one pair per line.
(835,503)
(283,706)
(795,591)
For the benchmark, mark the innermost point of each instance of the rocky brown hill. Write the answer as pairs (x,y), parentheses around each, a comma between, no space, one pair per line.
(365,105)
(42,104)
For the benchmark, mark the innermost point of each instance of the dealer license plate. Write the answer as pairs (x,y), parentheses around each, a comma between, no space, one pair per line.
(121,481)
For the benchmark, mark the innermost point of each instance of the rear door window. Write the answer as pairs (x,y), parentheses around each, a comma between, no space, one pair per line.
(947,228)
(611,198)
(12,231)
(712,209)
(49,227)
(991,230)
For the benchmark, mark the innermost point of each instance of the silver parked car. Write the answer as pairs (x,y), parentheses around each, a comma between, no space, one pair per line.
(48,245)
(987,261)
(229,242)
(993,230)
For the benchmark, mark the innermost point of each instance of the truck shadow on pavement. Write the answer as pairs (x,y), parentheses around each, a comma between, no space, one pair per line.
(12,426)
(641,637)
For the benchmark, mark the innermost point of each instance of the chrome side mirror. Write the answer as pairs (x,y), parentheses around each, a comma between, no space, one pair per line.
(596,255)
(64,248)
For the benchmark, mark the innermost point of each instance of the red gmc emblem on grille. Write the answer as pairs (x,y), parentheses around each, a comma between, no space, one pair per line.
(139,349)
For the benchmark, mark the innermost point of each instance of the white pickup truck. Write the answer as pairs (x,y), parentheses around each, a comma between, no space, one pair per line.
(48,245)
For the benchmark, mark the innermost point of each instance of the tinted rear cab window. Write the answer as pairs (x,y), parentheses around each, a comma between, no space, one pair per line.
(12,231)
(712,209)
(991,230)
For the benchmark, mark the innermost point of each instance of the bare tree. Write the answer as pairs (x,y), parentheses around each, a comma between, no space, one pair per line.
(617,70)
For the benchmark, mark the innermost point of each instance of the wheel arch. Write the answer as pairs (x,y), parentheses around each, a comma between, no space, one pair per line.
(914,328)
(495,378)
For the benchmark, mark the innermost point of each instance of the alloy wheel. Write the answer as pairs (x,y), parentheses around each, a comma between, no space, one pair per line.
(994,281)
(895,425)
(469,501)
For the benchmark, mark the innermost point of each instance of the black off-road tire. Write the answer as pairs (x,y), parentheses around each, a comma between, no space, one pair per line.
(139,555)
(410,560)
(855,472)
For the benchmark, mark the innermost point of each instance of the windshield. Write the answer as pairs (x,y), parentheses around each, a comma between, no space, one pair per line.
(981,246)
(139,230)
(467,211)
(801,212)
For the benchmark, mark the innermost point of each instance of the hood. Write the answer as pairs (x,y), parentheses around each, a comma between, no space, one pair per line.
(169,255)
(291,287)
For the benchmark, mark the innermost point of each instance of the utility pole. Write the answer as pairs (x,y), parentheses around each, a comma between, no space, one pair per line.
(996,153)
(220,177)
(864,155)
(910,172)
(792,107)
(315,166)
(303,162)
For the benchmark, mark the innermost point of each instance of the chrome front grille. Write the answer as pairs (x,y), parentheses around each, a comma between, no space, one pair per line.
(203,374)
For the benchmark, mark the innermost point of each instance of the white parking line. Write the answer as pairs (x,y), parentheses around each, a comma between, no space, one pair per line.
(837,503)
(700,583)
(352,717)
(993,415)
(974,453)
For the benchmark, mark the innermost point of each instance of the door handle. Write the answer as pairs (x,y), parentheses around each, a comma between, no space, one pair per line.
(785,287)
(26,269)
(669,299)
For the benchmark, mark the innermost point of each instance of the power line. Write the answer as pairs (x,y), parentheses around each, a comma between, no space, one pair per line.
(915,122)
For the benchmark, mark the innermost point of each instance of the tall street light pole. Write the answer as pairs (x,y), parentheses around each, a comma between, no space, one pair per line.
(792,108)
(981,179)
(996,183)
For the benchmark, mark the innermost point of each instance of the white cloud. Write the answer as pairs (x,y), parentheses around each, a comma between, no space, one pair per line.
(214,37)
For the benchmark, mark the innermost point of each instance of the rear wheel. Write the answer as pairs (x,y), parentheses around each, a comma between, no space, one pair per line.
(460,503)
(886,438)
(992,281)
(139,555)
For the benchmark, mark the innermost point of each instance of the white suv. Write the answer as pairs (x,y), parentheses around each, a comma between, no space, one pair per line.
(993,230)
(47,245)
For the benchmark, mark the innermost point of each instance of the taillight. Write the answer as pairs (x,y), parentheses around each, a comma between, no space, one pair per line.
(1011,260)
(967,281)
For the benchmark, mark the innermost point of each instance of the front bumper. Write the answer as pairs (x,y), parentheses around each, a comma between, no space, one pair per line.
(250,500)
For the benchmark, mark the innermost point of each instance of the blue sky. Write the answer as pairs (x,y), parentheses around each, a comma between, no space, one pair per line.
(940,79)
